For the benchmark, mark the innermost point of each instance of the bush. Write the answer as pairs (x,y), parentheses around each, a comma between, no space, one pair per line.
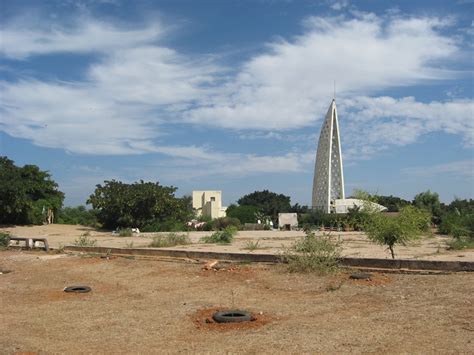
(221,237)
(85,241)
(459,243)
(169,240)
(313,254)
(222,223)
(169,225)
(457,225)
(4,240)
(125,232)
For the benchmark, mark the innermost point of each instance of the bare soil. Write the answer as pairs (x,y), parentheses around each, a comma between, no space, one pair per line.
(161,306)
(354,244)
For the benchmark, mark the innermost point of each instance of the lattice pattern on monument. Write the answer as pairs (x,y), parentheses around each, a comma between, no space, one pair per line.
(328,176)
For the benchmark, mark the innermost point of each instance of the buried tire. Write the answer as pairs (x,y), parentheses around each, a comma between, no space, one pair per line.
(232,316)
(360,276)
(77,289)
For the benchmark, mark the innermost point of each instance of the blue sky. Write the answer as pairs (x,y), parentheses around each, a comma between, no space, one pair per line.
(230,95)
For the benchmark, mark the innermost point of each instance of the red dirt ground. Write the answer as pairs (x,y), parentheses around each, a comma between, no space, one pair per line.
(160,306)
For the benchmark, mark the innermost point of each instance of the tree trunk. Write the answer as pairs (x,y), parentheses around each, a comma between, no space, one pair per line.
(391,251)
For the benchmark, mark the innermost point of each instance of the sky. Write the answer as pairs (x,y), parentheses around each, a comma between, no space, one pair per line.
(230,95)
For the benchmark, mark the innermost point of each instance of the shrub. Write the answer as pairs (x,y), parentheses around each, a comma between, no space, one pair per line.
(221,237)
(408,225)
(459,243)
(125,232)
(457,225)
(85,241)
(168,225)
(4,240)
(313,254)
(222,223)
(169,240)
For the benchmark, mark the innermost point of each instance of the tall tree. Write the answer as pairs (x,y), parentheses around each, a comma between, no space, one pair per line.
(25,193)
(137,205)
(429,201)
(269,203)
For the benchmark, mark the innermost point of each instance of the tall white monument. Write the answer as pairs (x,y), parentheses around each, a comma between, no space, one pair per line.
(328,183)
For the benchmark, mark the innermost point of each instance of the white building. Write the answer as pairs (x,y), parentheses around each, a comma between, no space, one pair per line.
(343,205)
(208,203)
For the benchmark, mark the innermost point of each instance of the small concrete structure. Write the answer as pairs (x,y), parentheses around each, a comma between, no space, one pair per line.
(208,203)
(287,221)
(343,205)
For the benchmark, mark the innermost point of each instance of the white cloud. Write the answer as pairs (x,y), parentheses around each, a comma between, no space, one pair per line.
(374,124)
(290,85)
(21,40)
(463,168)
(137,86)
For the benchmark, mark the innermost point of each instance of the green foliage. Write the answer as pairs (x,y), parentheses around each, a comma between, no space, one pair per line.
(297,208)
(313,254)
(222,223)
(169,240)
(4,240)
(77,215)
(363,195)
(139,205)
(125,232)
(205,218)
(453,224)
(268,203)
(85,241)
(168,225)
(25,192)
(221,237)
(461,242)
(318,219)
(245,214)
(393,203)
(429,201)
(408,225)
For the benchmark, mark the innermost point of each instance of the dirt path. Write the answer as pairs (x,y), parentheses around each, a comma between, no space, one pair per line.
(150,306)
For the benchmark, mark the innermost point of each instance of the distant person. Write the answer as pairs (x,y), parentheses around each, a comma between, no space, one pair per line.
(50,218)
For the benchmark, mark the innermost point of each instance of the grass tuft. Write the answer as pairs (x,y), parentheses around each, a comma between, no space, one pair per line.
(169,240)
(221,237)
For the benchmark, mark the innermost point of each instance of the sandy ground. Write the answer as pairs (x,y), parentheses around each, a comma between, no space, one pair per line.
(355,244)
(158,306)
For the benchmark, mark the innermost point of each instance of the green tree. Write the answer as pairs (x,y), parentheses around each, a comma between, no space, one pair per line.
(408,225)
(269,203)
(77,215)
(245,214)
(139,204)
(363,195)
(393,203)
(25,193)
(429,201)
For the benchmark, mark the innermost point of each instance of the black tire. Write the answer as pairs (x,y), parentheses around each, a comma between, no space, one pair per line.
(78,289)
(360,276)
(232,316)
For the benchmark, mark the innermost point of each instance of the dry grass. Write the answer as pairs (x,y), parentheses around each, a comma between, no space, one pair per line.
(143,306)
